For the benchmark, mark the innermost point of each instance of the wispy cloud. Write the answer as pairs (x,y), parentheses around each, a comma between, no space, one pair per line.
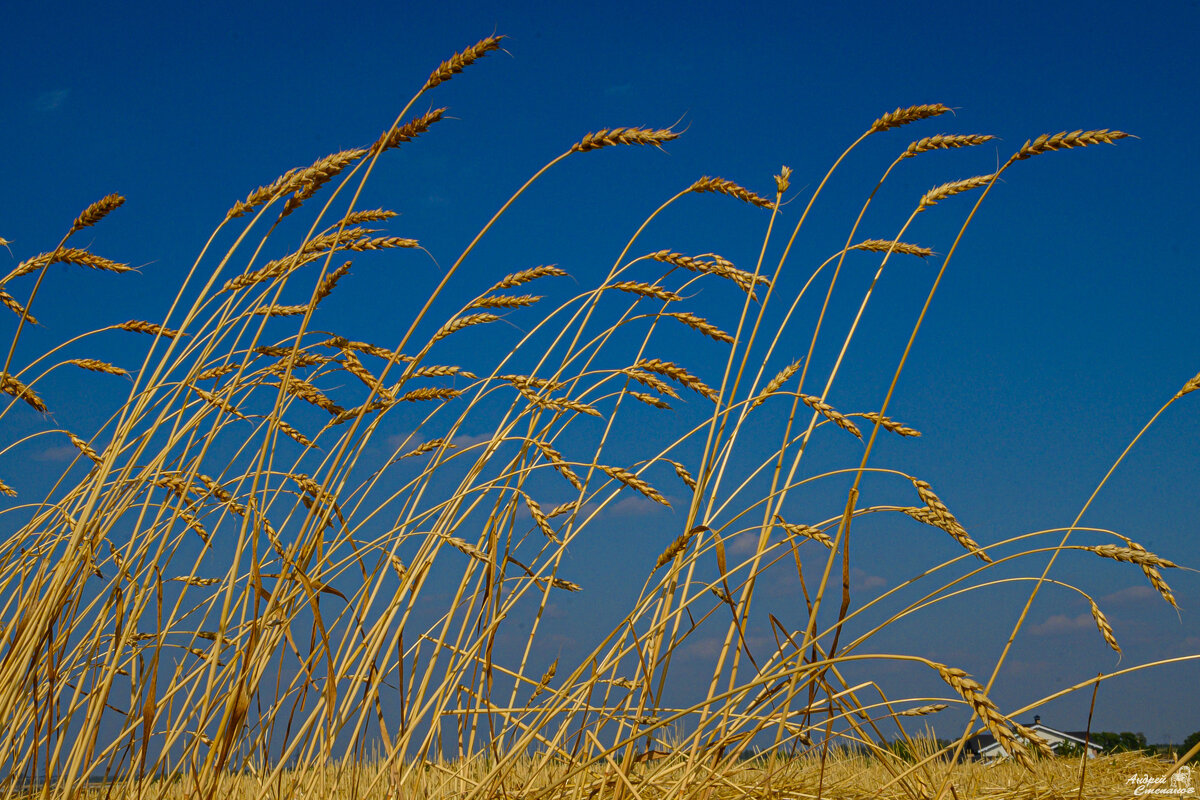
(49,101)
(1060,623)
(61,453)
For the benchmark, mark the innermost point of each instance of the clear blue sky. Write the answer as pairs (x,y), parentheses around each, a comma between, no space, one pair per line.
(1064,322)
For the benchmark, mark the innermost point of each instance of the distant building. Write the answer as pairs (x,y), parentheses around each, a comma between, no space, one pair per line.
(984,747)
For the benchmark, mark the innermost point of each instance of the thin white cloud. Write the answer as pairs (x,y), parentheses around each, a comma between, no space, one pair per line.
(1132,595)
(49,101)
(61,453)
(1061,623)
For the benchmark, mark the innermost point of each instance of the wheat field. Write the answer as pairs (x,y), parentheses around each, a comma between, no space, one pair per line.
(246,584)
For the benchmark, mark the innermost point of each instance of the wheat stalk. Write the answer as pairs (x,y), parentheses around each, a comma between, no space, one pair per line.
(830,413)
(1131,555)
(504,301)
(950,189)
(726,187)
(11,386)
(1065,141)
(645,290)
(903,116)
(609,137)
(460,61)
(1105,628)
(525,276)
(702,325)
(556,460)
(634,482)
(94,365)
(938,515)
(68,255)
(463,322)
(807,531)
(886,246)
(139,326)
(972,692)
(677,374)
(408,131)
(10,302)
(889,424)
(944,142)
(96,212)
(650,399)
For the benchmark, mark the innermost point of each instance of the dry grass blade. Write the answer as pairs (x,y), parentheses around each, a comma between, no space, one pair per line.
(807,531)
(460,61)
(97,211)
(891,425)
(92,365)
(609,137)
(556,460)
(830,413)
(140,326)
(886,246)
(634,482)
(950,189)
(463,322)
(702,325)
(1065,141)
(972,692)
(679,375)
(645,290)
(903,116)
(1105,628)
(409,130)
(726,187)
(11,386)
(69,255)
(10,302)
(945,142)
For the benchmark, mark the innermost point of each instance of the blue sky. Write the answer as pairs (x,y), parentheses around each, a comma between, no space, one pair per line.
(1066,319)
